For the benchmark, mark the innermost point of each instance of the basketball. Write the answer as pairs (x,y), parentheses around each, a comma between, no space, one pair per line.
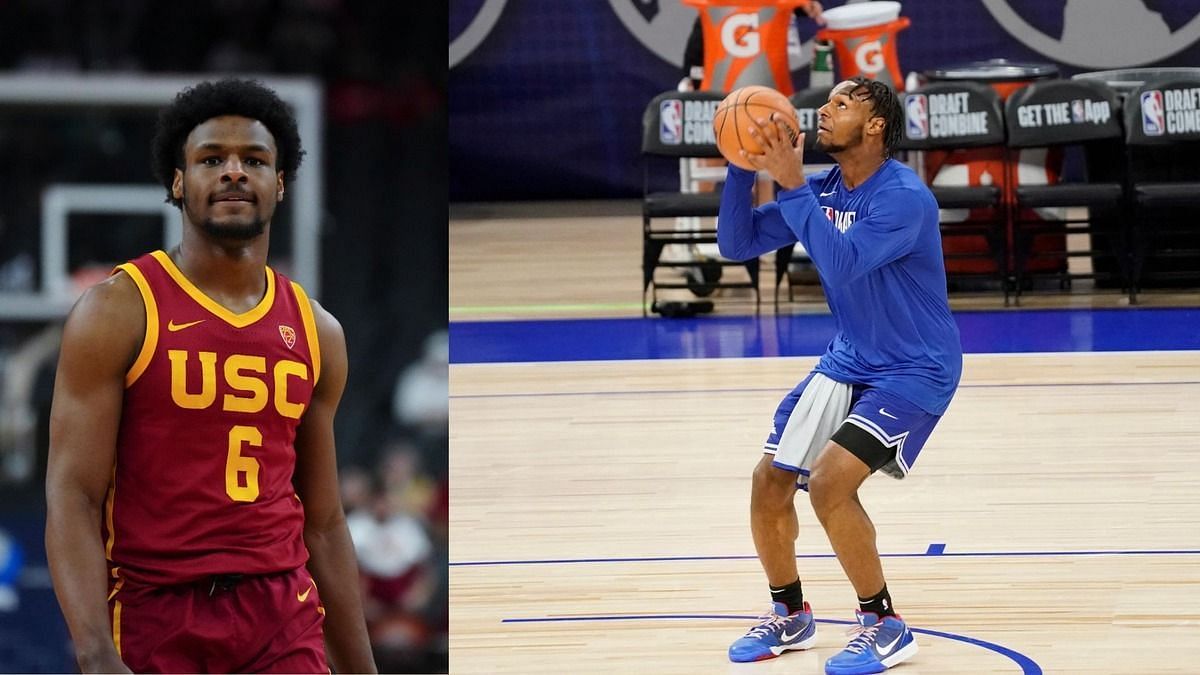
(739,110)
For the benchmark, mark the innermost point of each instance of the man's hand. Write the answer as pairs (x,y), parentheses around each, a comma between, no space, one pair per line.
(105,661)
(780,159)
(813,10)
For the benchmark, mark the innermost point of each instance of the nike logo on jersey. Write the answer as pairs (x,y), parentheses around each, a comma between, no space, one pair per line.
(172,326)
(885,413)
(826,194)
(304,596)
(884,650)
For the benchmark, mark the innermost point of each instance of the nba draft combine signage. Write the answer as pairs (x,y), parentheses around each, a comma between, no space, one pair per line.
(942,116)
(1099,33)
(1171,111)
(1079,111)
(686,122)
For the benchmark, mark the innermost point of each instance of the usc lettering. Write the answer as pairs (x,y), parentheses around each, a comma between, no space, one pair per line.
(244,374)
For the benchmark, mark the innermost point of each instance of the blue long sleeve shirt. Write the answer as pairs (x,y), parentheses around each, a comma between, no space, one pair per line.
(878,252)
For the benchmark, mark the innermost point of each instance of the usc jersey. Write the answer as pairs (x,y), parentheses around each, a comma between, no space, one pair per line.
(202,482)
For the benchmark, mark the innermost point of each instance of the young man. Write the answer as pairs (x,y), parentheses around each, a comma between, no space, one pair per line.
(192,482)
(871,228)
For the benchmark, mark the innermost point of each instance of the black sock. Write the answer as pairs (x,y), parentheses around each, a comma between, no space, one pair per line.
(790,595)
(879,604)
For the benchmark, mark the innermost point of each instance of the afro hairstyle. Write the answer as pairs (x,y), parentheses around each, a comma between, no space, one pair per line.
(196,105)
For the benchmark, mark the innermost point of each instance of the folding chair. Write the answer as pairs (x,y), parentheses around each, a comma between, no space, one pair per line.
(1070,116)
(1162,139)
(959,126)
(678,125)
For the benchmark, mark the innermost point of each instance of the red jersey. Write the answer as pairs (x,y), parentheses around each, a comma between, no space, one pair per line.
(202,483)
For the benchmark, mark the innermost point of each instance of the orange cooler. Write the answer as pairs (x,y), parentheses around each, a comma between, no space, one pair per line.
(745,43)
(864,40)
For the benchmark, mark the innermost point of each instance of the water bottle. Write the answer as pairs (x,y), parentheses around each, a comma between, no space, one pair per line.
(822,64)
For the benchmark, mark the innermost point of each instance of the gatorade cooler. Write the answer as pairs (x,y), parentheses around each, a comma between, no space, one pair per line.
(864,36)
(746,42)
(989,166)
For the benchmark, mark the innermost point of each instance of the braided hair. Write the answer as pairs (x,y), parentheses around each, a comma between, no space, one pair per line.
(885,104)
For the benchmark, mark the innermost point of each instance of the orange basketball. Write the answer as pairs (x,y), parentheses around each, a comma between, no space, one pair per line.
(739,110)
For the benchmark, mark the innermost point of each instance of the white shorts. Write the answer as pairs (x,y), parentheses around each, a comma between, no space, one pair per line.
(810,415)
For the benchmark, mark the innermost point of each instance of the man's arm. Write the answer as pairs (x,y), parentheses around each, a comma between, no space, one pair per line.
(100,341)
(744,232)
(331,553)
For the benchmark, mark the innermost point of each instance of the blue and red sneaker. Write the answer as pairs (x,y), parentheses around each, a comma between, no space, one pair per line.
(878,644)
(778,633)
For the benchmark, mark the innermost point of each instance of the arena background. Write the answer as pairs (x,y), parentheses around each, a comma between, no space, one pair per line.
(546,97)
(379,72)
(600,462)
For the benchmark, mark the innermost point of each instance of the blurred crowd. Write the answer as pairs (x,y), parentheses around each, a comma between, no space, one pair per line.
(398,513)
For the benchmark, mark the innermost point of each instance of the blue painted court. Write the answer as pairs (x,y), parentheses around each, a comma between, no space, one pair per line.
(1010,331)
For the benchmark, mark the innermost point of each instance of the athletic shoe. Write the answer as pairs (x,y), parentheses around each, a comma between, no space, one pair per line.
(778,633)
(878,645)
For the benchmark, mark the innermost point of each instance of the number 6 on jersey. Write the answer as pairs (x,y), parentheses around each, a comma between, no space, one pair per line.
(236,463)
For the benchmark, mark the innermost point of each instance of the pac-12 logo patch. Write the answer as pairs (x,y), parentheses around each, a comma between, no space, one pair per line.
(670,126)
(1153,114)
(288,334)
(916,116)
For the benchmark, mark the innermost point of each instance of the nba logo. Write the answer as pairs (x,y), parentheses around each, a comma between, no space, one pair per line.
(1077,111)
(670,125)
(1153,123)
(916,116)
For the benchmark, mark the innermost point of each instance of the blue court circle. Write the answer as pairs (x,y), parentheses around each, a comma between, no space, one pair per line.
(1027,665)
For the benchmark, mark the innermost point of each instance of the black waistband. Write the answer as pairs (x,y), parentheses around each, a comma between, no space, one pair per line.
(223,582)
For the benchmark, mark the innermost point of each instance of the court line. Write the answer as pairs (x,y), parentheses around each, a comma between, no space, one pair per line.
(934,551)
(756,390)
(1028,666)
(530,309)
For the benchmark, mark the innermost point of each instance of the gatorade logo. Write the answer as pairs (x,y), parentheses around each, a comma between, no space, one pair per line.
(739,35)
(869,57)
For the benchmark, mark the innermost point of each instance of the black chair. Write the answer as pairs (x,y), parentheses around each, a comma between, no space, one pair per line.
(1162,139)
(955,124)
(806,102)
(1081,119)
(678,125)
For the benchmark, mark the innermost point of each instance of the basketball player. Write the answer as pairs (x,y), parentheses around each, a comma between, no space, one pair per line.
(871,227)
(194,520)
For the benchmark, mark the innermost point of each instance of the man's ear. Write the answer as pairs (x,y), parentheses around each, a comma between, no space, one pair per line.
(177,185)
(279,187)
(875,126)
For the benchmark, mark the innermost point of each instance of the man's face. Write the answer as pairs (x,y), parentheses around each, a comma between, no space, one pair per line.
(842,121)
(228,184)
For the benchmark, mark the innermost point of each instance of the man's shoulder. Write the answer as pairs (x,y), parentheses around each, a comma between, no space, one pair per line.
(900,179)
